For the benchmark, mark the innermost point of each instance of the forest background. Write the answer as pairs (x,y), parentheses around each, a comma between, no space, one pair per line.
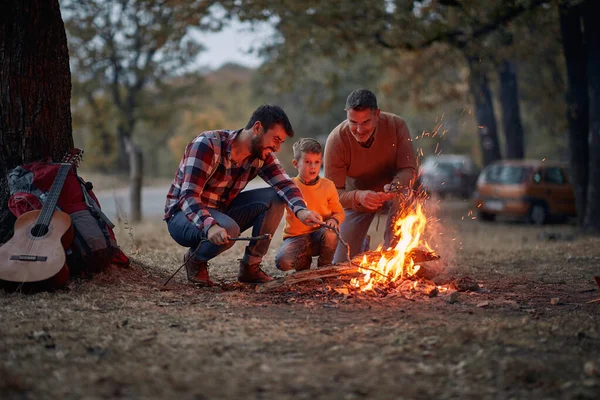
(161,106)
(502,79)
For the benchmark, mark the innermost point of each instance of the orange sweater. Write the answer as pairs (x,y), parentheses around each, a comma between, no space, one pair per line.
(321,197)
(352,167)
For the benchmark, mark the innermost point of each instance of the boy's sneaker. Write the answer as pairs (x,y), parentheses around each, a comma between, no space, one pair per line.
(252,273)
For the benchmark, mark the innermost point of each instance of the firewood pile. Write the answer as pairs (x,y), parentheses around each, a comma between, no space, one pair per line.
(341,275)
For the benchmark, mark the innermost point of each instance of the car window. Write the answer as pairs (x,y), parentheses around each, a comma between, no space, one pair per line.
(507,174)
(432,163)
(554,175)
(449,167)
(537,177)
(569,174)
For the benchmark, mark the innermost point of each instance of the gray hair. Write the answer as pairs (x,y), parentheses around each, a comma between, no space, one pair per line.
(361,99)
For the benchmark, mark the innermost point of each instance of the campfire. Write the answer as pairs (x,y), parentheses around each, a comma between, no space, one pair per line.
(387,268)
(393,271)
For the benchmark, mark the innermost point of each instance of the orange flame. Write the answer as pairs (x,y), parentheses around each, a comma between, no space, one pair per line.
(395,263)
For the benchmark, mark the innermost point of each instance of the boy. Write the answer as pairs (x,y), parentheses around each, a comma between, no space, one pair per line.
(302,242)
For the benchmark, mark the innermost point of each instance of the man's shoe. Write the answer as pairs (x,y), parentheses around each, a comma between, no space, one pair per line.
(252,273)
(197,271)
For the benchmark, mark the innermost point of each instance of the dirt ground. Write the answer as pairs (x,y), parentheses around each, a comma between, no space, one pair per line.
(528,333)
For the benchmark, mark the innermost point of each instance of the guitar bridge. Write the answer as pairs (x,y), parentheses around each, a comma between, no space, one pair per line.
(26,257)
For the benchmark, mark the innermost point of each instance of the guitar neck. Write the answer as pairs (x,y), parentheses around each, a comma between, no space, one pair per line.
(50,204)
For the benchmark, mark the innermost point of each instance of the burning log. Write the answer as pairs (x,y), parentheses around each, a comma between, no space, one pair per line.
(352,270)
(310,274)
(417,255)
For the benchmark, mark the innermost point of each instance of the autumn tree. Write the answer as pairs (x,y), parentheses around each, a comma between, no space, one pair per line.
(313,29)
(35,90)
(125,55)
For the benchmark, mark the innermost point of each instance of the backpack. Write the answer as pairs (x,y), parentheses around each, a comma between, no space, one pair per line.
(94,245)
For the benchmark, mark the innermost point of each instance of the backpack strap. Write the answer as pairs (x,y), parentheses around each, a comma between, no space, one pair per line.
(92,205)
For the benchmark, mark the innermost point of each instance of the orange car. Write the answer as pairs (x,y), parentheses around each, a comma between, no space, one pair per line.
(531,189)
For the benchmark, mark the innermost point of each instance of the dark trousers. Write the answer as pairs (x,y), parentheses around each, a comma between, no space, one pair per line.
(261,209)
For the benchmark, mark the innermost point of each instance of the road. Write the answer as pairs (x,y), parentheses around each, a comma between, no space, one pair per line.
(116,202)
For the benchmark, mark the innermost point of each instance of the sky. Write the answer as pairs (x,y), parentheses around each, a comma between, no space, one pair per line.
(233,44)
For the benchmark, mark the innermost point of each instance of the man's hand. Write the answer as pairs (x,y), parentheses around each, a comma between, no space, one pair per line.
(386,196)
(396,189)
(218,235)
(369,199)
(388,187)
(309,217)
(332,222)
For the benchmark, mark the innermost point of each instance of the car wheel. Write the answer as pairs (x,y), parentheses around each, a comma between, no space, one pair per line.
(485,216)
(538,214)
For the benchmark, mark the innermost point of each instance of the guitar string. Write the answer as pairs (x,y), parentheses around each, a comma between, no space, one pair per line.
(45,218)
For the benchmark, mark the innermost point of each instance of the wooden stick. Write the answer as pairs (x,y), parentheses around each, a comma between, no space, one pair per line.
(309,274)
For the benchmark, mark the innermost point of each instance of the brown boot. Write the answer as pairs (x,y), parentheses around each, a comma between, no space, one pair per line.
(252,273)
(197,271)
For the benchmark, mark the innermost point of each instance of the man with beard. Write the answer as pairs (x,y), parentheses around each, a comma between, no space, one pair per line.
(206,199)
(366,155)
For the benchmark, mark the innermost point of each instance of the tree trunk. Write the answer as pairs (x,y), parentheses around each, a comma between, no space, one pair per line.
(577,103)
(136,173)
(123,154)
(591,11)
(484,112)
(511,114)
(35,90)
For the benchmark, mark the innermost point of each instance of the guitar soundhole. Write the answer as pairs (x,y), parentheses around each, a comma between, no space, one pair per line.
(39,230)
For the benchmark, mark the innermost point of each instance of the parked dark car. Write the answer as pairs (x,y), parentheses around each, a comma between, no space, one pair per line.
(448,175)
(530,189)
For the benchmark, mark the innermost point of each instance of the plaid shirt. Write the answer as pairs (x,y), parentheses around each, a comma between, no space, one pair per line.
(207,178)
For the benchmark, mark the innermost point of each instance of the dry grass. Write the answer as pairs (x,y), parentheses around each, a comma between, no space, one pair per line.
(121,335)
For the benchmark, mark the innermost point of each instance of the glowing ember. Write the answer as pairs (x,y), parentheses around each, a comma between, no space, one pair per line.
(395,263)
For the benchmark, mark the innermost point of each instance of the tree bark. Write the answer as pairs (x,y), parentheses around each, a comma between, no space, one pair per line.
(136,174)
(35,90)
(123,154)
(511,114)
(574,50)
(591,11)
(484,112)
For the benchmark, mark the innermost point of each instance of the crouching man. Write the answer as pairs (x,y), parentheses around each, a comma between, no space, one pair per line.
(206,201)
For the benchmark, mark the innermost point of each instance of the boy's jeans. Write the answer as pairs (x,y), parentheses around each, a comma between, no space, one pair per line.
(261,209)
(296,252)
(355,227)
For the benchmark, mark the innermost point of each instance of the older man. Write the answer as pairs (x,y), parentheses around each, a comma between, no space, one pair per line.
(364,155)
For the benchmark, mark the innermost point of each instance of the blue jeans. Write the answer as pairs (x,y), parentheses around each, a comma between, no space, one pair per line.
(297,252)
(261,209)
(355,227)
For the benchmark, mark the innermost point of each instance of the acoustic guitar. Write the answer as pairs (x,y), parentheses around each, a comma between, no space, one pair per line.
(36,252)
